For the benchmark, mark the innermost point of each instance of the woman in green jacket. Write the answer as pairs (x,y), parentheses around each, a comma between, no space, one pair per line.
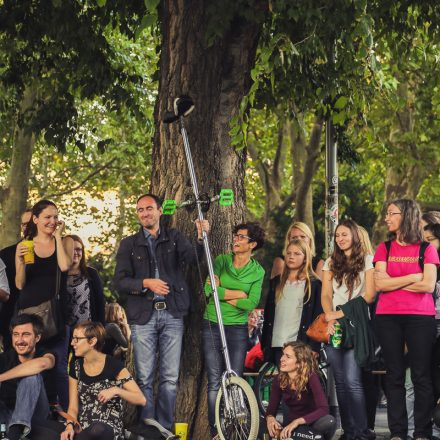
(239,279)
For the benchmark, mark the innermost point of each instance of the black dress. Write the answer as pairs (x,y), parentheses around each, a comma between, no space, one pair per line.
(90,409)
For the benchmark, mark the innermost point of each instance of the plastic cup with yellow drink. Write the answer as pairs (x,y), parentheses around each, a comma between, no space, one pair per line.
(182,430)
(29,256)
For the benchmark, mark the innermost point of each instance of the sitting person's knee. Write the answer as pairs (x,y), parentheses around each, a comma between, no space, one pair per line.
(35,380)
(436,415)
(100,431)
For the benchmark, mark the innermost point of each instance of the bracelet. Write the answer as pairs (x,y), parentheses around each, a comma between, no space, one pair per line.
(69,422)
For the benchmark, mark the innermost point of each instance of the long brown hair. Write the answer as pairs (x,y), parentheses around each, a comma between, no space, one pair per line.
(306,364)
(347,268)
(305,270)
(82,262)
(410,230)
(111,315)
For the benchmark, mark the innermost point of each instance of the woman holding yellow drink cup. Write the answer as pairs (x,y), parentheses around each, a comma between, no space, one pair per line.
(42,260)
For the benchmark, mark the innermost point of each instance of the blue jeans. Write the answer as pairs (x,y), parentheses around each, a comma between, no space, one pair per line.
(31,404)
(349,391)
(162,332)
(60,348)
(236,338)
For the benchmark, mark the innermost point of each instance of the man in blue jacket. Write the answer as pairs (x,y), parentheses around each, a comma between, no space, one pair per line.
(149,269)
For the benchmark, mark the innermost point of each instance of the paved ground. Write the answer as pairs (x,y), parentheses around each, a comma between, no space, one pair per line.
(381,427)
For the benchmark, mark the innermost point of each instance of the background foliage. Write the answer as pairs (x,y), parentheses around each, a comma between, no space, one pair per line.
(372,68)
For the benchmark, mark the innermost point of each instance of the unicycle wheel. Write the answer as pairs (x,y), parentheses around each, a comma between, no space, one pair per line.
(242,420)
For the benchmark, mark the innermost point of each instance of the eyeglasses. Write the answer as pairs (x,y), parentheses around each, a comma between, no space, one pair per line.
(78,251)
(431,239)
(390,214)
(241,236)
(76,339)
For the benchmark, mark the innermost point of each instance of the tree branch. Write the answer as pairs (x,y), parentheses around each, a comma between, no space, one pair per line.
(280,157)
(86,179)
(262,168)
(3,193)
(286,203)
(311,161)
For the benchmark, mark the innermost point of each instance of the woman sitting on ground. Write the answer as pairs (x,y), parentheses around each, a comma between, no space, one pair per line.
(97,385)
(299,386)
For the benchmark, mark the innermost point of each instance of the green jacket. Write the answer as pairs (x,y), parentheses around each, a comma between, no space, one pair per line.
(249,279)
(357,332)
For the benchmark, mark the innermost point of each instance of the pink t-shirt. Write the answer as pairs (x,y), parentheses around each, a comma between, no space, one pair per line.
(404,260)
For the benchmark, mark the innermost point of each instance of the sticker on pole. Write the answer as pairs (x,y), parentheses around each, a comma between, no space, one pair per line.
(334,214)
(226,197)
(169,207)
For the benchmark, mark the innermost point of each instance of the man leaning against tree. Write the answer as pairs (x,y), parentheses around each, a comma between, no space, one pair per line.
(149,270)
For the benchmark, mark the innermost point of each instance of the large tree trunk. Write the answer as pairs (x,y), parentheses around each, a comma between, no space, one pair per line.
(13,196)
(216,77)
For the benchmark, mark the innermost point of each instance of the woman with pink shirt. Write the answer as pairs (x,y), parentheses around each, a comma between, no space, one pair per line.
(405,316)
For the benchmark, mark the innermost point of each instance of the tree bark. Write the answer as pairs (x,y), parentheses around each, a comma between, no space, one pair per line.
(216,77)
(15,192)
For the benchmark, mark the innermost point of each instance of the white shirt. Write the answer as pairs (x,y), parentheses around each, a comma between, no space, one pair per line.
(340,293)
(288,313)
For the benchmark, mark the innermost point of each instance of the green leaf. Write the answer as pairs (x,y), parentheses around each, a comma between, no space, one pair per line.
(341,102)
(147,21)
(339,118)
(101,3)
(151,5)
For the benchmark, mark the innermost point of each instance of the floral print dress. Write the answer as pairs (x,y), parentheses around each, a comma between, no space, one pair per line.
(90,409)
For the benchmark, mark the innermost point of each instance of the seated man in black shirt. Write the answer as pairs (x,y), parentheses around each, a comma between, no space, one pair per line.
(23,399)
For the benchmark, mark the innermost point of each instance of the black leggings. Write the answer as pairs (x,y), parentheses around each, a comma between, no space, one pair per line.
(51,430)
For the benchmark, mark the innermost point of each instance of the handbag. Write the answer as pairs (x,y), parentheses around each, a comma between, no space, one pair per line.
(318,329)
(49,311)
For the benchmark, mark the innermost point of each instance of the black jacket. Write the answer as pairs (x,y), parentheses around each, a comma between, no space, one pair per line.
(6,312)
(311,310)
(97,299)
(134,264)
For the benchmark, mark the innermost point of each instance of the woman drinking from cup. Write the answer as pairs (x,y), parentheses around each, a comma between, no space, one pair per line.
(44,280)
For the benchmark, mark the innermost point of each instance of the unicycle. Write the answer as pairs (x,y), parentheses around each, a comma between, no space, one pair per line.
(236,409)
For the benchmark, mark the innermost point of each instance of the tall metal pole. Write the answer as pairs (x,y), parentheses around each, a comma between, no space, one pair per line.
(192,175)
(331,221)
(331,193)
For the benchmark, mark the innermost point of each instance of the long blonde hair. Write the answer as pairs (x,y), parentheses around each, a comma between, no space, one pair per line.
(306,364)
(365,241)
(305,269)
(307,231)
